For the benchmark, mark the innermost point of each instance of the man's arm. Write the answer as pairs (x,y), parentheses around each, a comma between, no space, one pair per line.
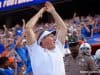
(61,27)
(74,15)
(23,20)
(91,32)
(86,27)
(5,30)
(30,35)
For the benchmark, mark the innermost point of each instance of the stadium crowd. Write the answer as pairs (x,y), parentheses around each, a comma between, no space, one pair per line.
(16,57)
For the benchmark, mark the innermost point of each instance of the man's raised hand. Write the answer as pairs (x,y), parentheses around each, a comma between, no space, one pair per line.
(4,26)
(42,10)
(49,7)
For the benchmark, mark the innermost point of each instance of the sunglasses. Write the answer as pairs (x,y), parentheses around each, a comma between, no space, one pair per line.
(84,48)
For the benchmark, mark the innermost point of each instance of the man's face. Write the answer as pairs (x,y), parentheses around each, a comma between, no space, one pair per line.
(74,50)
(49,41)
(86,50)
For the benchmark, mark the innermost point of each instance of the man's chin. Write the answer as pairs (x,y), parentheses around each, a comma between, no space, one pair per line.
(52,48)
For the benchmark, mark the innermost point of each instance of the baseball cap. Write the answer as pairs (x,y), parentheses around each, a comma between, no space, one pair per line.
(44,34)
(73,41)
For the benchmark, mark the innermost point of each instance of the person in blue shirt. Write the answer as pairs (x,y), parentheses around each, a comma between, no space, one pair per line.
(87,30)
(19,30)
(5,68)
(28,62)
(2,48)
(22,51)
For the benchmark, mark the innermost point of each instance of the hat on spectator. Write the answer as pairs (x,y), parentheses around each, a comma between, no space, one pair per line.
(44,34)
(73,41)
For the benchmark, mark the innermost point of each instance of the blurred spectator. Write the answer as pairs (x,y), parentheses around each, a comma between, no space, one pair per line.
(18,30)
(76,63)
(22,51)
(97,58)
(86,49)
(5,68)
(2,48)
(87,29)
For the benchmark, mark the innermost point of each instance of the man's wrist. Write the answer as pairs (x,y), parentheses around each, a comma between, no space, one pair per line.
(42,10)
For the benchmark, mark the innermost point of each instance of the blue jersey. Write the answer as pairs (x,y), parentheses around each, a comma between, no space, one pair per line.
(85,33)
(19,31)
(23,53)
(2,48)
(7,71)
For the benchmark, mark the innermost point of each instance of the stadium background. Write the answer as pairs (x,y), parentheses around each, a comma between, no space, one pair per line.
(66,9)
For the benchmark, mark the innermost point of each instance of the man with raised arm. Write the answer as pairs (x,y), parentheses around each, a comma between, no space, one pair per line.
(46,51)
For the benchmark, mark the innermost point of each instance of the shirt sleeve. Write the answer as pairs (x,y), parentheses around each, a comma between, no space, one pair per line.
(32,48)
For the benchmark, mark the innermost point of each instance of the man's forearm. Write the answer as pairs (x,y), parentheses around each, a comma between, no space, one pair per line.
(62,31)
(86,28)
(30,35)
(58,19)
(23,23)
(92,33)
(33,20)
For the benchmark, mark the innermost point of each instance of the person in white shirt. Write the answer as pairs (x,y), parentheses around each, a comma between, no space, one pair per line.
(46,51)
